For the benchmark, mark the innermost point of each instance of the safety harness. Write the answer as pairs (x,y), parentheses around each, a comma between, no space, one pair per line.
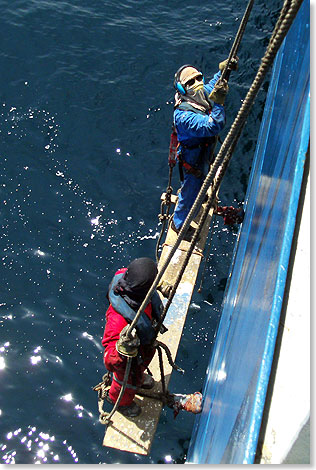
(176,148)
(146,328)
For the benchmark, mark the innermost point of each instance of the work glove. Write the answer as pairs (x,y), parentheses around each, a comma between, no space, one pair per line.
(165,288)
(219,92)
(232,66)
(230,214)
(128,345)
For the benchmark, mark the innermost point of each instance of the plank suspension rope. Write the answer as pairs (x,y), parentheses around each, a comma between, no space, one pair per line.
(218,168)
(288,14)
(209,203)
(199,200)
(105,418)
(164,396)
(225,75)
(222,160)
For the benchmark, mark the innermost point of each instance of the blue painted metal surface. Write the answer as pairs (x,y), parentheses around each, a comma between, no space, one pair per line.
(238,374)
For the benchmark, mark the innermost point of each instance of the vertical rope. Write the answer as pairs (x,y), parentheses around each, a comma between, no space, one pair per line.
(287,16)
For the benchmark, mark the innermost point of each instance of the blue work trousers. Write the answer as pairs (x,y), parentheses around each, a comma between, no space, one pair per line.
(189,191)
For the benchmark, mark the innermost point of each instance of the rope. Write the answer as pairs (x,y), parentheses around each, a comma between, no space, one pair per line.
(185,262)
(206,258)
(163,217)
(225,75)
(105,418)
(162,373)
(159,344)
(237,41)
(165,396)
(214,177)
(287,16)
(199,200)
(218,168)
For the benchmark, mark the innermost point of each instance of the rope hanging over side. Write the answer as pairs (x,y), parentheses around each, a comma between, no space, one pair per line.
(286,18)
(164,395)
(173,147)
(223,158)
(213,180)
(105,418)
(287,15)
(210,202)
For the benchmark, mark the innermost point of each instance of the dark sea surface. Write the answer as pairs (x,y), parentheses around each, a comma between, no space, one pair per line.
(86,103)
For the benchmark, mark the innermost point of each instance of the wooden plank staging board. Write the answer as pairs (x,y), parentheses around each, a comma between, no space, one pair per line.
(136,434)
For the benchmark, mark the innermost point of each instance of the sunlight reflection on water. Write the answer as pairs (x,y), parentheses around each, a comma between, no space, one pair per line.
(40,444)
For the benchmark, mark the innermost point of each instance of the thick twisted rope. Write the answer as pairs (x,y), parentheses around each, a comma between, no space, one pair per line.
(214,177)
(218,169)
(287,15)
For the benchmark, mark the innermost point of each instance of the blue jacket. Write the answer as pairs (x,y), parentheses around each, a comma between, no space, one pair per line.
(195,127)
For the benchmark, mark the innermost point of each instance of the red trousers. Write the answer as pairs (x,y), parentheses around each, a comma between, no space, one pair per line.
(116,363)
(134,381)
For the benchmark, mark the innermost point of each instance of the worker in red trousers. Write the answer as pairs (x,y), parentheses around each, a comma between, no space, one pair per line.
(127,291)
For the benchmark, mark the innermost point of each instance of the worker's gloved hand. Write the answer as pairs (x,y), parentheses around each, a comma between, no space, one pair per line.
(165,288)
(128,345)
(219,92)
(232,66)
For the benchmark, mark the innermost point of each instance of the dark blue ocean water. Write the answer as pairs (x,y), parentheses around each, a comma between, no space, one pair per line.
(86,102)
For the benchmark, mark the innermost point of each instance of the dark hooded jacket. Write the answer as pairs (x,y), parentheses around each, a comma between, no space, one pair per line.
(126,293)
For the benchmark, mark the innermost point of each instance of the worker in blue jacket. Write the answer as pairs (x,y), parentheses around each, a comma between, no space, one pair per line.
(199,116)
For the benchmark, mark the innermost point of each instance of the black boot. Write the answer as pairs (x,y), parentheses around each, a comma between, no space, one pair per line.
(130,411)
(188,236)
(148,382)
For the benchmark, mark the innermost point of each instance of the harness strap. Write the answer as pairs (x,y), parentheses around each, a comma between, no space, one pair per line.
(190,169)
(121,383)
